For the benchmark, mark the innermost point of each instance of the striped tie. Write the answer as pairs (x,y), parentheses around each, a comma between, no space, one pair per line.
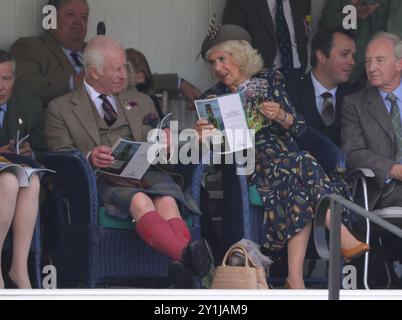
(110,116)
(396,124)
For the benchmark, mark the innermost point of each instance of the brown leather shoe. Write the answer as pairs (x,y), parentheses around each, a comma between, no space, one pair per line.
(287,285)
(355,252)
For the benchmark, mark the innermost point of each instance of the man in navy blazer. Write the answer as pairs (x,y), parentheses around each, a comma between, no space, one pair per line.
(332,61)
(258,18)
(18,113)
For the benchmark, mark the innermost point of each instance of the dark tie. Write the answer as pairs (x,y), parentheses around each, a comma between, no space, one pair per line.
(328,110)
(396,124)
(76,58)
(110,116)
(283,39)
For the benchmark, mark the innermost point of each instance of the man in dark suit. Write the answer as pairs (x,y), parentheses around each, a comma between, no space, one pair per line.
(50,65)
(371,122)
(259,18)
(17,113)
(325,86)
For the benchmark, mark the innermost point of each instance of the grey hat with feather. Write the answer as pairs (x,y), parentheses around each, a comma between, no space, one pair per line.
(221,34)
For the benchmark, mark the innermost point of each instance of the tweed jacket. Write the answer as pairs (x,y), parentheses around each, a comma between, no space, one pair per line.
(71,122)
(368,138)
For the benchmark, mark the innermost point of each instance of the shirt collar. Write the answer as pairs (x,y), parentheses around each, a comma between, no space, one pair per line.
(4,107)
(320,89)
(95,94)
(69,51)
(397,92)
(91,91)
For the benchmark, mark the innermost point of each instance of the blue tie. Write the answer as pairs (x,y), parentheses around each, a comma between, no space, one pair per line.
(76,57)
(283,39)
(2,113)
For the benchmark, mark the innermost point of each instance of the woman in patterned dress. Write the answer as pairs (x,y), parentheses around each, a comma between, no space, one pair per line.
(290,181)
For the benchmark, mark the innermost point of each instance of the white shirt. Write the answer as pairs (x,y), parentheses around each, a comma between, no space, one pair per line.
(319,89)
(289,19)
(94,95)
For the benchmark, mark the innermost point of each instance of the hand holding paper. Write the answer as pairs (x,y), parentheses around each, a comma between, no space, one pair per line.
(19,145)
(100,157)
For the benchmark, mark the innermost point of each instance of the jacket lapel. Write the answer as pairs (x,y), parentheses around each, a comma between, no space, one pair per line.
(339,103)
(13,115)
(57,51)
(309,102)
(261,6)
(82,109)
(133,118)
(378,111)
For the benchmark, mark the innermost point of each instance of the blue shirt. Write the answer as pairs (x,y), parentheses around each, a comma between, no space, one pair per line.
(3,110)
(398,94)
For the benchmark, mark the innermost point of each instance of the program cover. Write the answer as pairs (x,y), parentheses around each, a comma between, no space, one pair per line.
(254,92)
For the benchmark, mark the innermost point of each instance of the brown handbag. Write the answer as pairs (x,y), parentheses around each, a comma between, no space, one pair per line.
(249,276)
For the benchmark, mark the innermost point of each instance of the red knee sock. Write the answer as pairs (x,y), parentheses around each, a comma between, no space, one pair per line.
(158,234)
(179,227)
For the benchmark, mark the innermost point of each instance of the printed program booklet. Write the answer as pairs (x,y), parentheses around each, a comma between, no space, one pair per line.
(18,141)
(254,92)
(132,159)
(22,172)
(163,124)
(226,114)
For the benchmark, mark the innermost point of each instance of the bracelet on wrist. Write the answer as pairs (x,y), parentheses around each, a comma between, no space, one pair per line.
(286,118)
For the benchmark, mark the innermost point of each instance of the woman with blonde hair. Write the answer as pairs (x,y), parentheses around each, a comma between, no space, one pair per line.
(290,181)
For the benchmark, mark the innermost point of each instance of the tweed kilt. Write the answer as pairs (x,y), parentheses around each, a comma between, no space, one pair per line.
(117,199)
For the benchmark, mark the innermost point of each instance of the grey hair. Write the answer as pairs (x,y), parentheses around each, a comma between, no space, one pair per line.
(94,53)
(244,55)
(395,39)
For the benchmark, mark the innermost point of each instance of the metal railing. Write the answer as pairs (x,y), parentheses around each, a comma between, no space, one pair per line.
(336,203)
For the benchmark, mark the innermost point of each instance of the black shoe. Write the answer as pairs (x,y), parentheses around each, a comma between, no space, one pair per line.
(8,283)
(180,276)
(198,258)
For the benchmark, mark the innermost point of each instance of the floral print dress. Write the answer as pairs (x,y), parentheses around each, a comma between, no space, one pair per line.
(290,181)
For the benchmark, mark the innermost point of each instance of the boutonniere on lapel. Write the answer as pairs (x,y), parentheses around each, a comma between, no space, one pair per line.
(20,124)
(308,22)
(128,105)
(151,119)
